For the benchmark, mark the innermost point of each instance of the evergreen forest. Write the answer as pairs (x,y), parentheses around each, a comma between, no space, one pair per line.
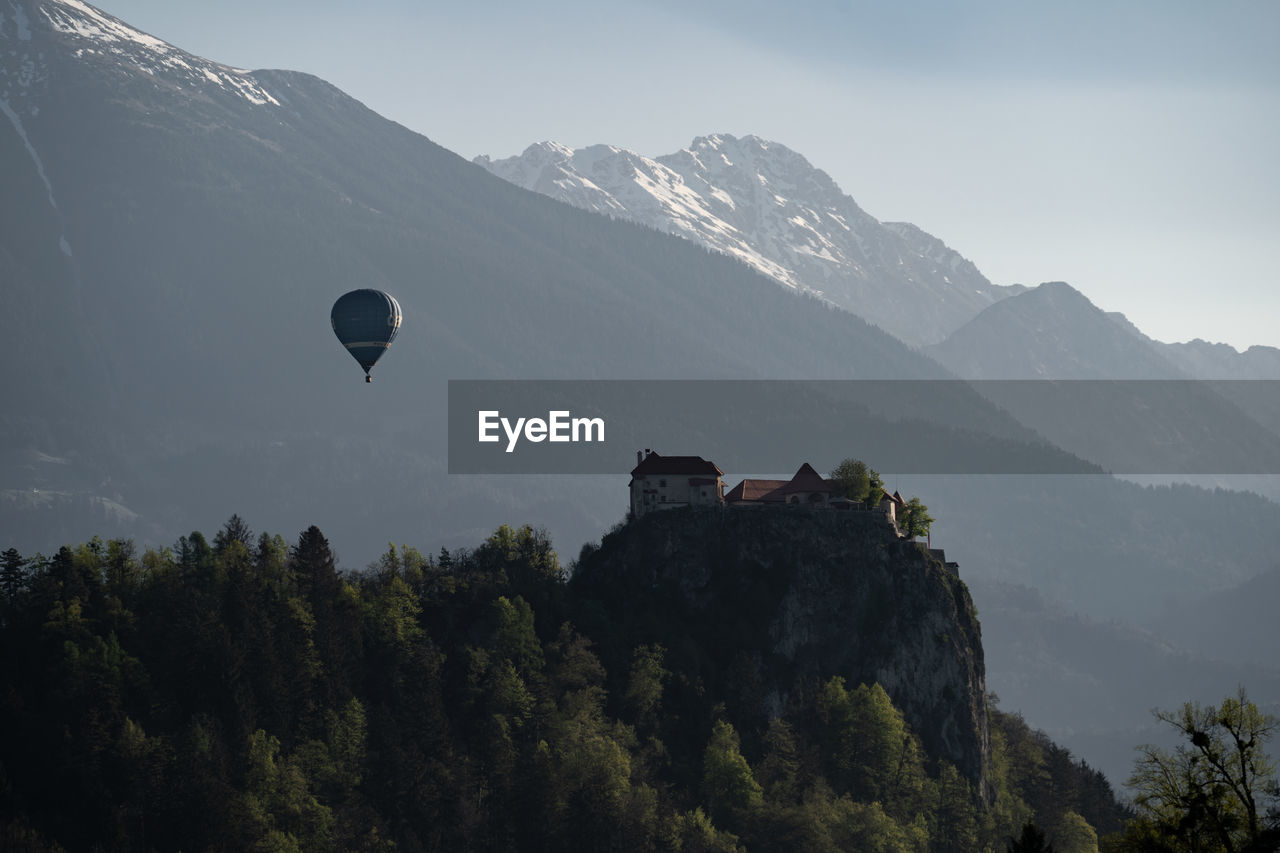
(245,693)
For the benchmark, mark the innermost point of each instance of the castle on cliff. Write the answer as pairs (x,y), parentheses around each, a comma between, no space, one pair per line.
(667,482)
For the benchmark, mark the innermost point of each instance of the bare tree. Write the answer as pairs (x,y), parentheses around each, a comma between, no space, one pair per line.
(1210,792)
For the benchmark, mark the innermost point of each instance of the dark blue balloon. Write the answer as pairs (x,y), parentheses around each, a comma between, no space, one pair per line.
(366,321)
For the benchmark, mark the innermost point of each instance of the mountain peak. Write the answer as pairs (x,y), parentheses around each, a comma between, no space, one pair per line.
(542,154)
(768,206)
(722,152)
(728,142)
(714,143)
(80,19)
(550,149)
(1051,331)
(110,44)
(1061,290)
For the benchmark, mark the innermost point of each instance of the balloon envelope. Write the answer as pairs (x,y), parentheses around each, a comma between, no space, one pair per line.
(366,321)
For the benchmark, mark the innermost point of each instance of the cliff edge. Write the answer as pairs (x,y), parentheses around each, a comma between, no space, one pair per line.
(764,605)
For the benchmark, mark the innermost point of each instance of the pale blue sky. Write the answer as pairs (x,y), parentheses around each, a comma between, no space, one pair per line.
(1129,148)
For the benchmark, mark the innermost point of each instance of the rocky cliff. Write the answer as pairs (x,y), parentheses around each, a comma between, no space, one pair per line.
(766,604)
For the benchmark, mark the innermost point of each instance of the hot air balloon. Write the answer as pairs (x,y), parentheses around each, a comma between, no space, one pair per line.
(366,322)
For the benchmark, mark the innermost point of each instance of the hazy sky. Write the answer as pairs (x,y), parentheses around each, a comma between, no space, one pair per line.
(1129,148)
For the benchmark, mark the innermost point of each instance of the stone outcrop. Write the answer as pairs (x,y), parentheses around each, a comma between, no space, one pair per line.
(785,598)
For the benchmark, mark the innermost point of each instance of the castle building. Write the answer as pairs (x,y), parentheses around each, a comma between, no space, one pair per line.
(892,505)
(667,482)
(807,487)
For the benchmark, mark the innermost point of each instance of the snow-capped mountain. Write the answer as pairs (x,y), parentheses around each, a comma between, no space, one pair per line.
(768,206)
(124,49)
(129,59)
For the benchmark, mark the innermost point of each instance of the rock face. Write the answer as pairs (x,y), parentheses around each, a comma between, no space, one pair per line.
(782,599)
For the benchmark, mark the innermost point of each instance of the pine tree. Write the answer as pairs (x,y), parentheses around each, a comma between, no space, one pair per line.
(313,566)
(234,530)
(1032,840)
(727,781)
(13,576)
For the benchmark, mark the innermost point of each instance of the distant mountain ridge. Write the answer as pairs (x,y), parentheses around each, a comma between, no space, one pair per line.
(1054,331)
(1205,360)
(1051,332)
(766,205)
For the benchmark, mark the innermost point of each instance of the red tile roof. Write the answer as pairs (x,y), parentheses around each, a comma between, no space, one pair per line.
(775,491)
(766,491)
(807,480)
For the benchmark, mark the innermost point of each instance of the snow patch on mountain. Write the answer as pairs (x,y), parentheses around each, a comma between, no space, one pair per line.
(148,54)
(84,20)
(766,205)
(618,182)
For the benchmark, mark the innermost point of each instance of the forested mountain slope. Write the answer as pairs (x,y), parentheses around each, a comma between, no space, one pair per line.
(245,693)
